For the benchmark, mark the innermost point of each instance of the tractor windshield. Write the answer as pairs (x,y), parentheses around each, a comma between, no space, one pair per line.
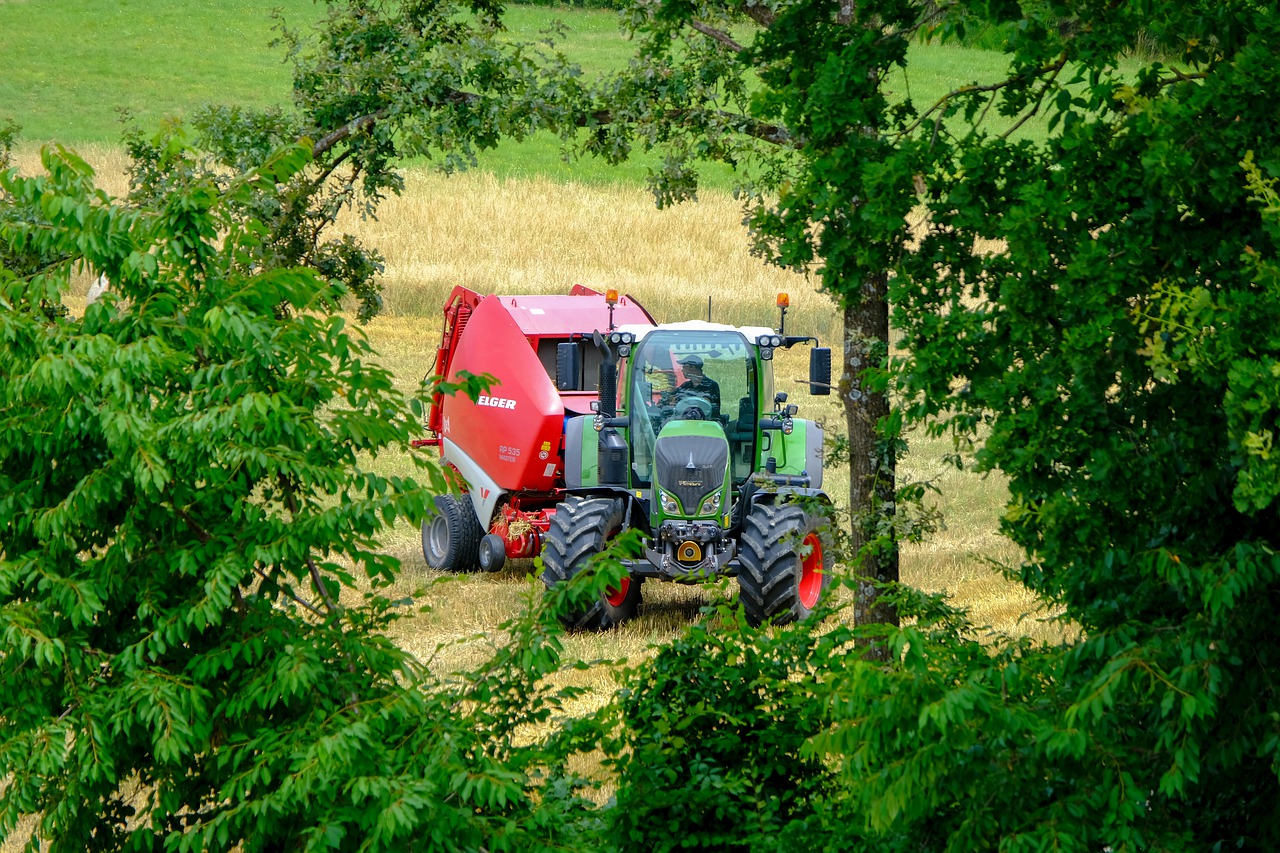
(693,375)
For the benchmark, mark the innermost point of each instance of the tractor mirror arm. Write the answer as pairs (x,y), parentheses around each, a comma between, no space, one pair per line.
(601,422)
(785,424)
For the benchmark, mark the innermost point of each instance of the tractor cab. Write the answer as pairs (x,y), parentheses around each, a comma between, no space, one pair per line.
(681,375)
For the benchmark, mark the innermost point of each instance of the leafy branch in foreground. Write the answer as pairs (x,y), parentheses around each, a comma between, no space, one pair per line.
(193,601)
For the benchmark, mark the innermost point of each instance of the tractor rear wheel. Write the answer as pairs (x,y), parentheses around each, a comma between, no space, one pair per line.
(786,556)
(579,530)
(451,537)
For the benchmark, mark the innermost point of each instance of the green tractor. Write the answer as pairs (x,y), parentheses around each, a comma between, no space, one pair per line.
(692,445)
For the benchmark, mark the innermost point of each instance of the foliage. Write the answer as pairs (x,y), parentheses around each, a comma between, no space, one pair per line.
(193,602)
(711,736)
(1115,356)
(296,218)
(574,4)
(14,212)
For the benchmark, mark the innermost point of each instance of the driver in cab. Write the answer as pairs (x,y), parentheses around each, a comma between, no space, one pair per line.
(698,384)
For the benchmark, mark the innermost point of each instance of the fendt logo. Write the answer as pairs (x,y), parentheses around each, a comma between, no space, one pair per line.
(495,402)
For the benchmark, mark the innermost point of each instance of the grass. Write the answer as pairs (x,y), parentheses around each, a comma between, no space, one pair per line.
(73,69)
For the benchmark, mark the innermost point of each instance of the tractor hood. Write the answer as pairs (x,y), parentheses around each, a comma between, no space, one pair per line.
(691,461)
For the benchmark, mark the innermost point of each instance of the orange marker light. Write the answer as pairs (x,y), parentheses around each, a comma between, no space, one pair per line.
(611,297)
(784,301)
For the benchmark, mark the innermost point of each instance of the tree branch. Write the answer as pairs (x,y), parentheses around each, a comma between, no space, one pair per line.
(762,15)
(337,161)
(201,534)
(719,36)
(363,123)
(1180,77)
(351,128)
(1044,90)
(771,133)
(317,581)
(307,604)
(774,133)
(942,102)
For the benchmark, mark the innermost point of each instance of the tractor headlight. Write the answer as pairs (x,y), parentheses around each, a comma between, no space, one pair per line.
(669,504)
(710,504)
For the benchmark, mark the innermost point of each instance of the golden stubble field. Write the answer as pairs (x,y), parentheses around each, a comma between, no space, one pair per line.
(539,236)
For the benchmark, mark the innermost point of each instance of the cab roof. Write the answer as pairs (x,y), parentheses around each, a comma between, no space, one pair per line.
(748,332)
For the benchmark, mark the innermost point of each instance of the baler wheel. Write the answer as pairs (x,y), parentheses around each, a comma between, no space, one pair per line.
(786,558)
(451,537)
(492,553)
(579,530)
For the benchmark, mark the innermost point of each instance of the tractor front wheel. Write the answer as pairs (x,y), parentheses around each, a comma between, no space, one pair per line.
(451,537)
(579,530)
(786,556)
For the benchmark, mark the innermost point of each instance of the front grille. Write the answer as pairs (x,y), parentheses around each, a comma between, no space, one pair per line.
(690,467)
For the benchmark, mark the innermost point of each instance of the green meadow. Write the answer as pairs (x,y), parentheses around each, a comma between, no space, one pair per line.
(75,70)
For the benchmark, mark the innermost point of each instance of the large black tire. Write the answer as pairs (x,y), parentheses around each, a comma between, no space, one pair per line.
(451,537)
(579,530)
(786,556)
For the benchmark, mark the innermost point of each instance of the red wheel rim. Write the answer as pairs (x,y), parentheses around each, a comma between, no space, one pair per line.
(615,597)
(811,571)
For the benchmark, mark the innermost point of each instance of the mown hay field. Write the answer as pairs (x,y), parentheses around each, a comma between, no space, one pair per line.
(538,236)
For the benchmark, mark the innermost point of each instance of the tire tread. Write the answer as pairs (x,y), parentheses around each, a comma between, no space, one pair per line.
(579,530)
(771,565)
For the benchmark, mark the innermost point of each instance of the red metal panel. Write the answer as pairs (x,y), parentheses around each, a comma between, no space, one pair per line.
(514,431)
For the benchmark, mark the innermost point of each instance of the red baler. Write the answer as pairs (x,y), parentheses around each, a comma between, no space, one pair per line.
(507,446)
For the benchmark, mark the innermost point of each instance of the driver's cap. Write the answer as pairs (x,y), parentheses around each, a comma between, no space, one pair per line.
(692,360)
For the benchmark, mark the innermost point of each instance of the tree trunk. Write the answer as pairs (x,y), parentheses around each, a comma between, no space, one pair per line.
(872,459)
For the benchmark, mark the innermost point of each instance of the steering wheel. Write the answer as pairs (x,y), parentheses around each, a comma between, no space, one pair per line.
(693,408)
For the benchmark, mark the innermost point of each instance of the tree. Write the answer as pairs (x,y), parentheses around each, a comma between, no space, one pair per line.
(193,602)
(1116,358)
(800,108)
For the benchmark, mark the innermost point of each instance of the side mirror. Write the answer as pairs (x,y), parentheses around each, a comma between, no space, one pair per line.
(820,371)
(568,367)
